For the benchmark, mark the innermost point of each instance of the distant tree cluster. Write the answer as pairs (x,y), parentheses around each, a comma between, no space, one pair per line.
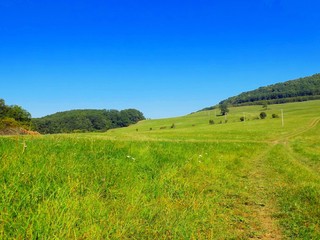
(302,89)
(13,116)
(86,120)
(224,108)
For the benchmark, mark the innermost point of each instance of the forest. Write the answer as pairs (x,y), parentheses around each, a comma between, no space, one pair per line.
(16,120)
(90,120)
(87,120)
(302,89)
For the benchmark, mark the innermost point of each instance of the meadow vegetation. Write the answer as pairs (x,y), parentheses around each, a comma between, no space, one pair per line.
(227,180)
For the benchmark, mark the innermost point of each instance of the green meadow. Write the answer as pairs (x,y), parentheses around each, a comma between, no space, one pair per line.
(176,178)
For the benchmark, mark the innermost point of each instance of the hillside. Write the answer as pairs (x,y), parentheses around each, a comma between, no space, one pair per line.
(87,120)
(196,126)
(175,178)
(302,89)
(14,120)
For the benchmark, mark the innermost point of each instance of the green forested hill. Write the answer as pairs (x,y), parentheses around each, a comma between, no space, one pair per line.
(302,89)
(86,120)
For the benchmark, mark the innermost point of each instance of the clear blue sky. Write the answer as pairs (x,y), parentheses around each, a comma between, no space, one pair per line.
(164,57)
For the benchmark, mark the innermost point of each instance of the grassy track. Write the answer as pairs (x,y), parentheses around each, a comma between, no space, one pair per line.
(240,180)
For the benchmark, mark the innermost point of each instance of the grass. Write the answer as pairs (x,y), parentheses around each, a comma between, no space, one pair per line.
(240,180)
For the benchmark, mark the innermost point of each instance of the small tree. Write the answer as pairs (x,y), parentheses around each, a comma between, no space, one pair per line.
(265,105)
(224,108)
(3,108)
(263,115)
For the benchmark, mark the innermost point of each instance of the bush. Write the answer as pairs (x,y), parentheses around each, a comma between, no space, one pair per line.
(263,115)
(211,122)
(8,122)
(275,115)
(242,119)
(173,126)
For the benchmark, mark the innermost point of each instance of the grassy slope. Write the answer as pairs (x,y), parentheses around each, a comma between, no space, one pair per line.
(196,126)
(253,179)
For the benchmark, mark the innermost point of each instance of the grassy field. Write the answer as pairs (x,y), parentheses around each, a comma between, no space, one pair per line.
(237,180)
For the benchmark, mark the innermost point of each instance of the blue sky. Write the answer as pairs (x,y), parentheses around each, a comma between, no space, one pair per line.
(165,58)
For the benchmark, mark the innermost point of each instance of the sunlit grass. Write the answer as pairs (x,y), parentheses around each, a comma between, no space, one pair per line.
(194,181)
(196,126)
(61,187)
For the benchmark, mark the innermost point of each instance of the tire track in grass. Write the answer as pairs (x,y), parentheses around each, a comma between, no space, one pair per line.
(302,162)
(297,188)
(262,202)
(314,122)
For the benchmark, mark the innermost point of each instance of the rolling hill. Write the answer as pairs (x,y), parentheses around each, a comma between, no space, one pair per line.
(86,120)
(302,89)
(174,178)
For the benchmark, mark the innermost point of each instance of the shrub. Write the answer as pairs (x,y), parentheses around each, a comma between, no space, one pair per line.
(275,115)
(211,122)
(242,119)
(173,126)
(8,122)
(263,115)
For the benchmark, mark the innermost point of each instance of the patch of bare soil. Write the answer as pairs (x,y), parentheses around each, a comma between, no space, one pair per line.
(17,131)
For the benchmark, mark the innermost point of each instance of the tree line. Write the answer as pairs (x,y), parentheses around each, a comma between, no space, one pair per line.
(299,90)
(88,120)
(13,116)
(302,89)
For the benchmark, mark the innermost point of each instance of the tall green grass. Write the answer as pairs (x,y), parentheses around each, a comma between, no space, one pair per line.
(79,188)
(294,170)
(196,181)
